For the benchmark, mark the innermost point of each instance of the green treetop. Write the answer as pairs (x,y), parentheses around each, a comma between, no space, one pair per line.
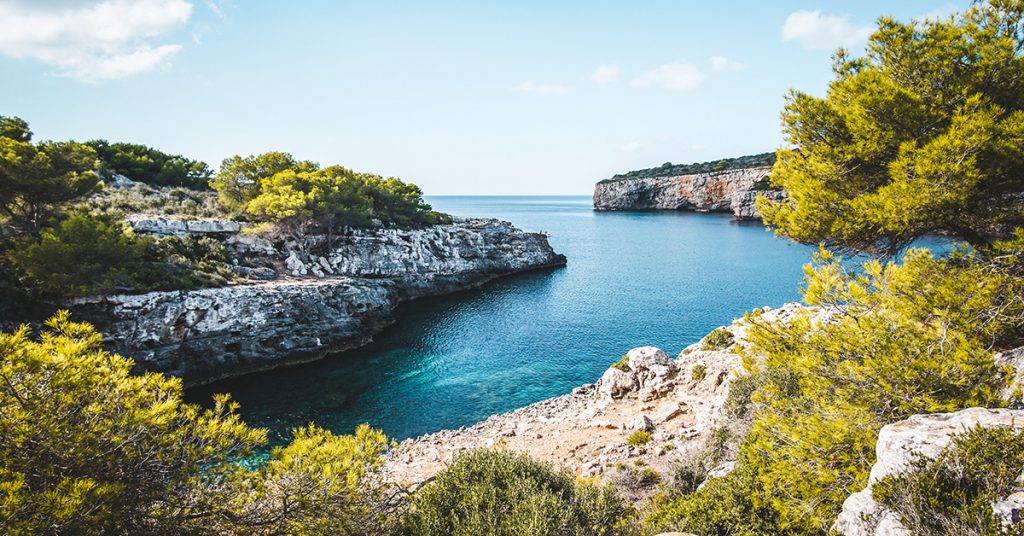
(924,134)
(238,180)
(35,177)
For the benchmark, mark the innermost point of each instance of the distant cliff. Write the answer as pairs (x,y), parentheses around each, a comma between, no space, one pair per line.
(305,299)
(720,186)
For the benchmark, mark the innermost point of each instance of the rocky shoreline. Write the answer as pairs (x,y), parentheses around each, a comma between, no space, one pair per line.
(680,401)
(304,299)
(734,191)
(682,404)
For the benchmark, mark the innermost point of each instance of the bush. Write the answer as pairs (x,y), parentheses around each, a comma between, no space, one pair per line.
(320,483)
(622,364)
(88,255)
(82,255)
(275,188)
(952,493)
(699,372)
(632,479)
(719,339)
(87,447)
(499,492)
(148,165)
(639,438)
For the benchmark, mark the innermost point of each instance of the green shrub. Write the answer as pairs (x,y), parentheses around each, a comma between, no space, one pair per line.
(88,447)
(499,492)
(719,339)
(633,479)
(88,255)
(148,165)
(275,188)
(699,372)
(622,364)
(639,438)
(82,255)
(952,493)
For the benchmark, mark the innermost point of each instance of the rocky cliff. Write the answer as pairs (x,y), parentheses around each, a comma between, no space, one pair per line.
(315,297)
(732,191)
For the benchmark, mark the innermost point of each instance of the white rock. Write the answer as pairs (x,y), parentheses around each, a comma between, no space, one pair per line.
(899,444)
(641,422)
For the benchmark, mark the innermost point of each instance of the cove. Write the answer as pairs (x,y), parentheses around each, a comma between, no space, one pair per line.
(633,279)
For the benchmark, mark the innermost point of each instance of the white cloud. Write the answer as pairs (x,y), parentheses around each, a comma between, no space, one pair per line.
(542,89)
(630,147)
(678,76)
(94,40)
(606,74)
(721,63)
(816,31)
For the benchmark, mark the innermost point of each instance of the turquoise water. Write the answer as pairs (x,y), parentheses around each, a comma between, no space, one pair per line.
(633,279)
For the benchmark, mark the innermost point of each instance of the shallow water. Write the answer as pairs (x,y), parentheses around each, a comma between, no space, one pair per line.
(633,279)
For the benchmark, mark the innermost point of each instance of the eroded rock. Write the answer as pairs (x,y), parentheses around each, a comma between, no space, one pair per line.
(733,191)
(899,444)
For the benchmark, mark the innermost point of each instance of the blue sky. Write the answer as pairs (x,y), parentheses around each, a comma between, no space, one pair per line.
(459,97)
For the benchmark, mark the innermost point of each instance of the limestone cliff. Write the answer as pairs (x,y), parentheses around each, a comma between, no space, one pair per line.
(314,299)
(731,191)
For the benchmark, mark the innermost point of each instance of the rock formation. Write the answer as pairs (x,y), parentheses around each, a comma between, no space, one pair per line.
(312,299)
(587,429)
(898,445)
(733,191)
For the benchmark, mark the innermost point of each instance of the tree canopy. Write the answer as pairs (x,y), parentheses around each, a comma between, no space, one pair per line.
(924,134)
(299,195)
(151,166)
(35,177)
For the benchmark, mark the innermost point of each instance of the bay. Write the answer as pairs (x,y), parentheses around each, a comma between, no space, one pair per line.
(633,279)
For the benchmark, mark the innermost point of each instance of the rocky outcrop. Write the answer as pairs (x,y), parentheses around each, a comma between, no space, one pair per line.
(733,191)
(899,444)
(587,430)
(311,303)
(171,226)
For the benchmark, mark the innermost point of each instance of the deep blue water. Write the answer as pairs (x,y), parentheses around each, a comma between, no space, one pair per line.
(633,279)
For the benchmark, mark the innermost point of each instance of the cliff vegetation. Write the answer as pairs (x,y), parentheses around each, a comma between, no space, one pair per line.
(669,169)
(924,134)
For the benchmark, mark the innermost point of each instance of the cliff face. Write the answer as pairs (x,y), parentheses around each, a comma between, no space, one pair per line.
(731,191)
(311,303)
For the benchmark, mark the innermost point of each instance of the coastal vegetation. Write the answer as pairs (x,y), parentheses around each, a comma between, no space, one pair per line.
(63,232)
(899,148)
(668,169)
(924,135)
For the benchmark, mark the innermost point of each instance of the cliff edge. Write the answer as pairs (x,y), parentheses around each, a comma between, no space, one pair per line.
(304,299)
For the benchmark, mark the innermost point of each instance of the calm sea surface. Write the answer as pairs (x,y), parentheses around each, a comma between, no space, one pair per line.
(633,279)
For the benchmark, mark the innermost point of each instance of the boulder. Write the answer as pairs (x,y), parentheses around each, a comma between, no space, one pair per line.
(899,444)
(641,422)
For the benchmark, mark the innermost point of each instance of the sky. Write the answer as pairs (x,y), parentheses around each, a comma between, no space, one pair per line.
(469,98)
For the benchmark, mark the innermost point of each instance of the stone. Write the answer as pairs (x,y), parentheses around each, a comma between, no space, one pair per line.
(640,422)
(1015,360)
(615,383)
(207,334)
(901,443)
(674,410)
(733,191)
(173,226)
